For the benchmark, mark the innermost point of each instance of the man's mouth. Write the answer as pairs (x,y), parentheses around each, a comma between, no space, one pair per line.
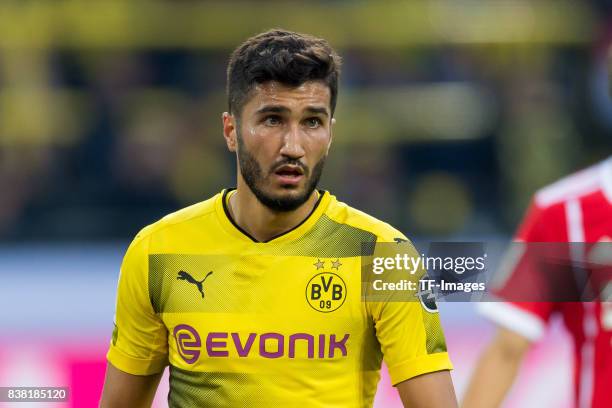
(289,174)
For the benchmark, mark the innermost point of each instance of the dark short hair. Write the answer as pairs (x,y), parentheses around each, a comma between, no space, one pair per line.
(283,56)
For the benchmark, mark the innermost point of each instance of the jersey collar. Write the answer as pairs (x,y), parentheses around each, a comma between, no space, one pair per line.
(233,229)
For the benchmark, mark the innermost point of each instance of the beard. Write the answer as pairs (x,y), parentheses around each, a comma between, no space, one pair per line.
(253,175)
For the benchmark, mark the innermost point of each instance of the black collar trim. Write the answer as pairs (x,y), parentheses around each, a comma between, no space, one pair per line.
(229,217)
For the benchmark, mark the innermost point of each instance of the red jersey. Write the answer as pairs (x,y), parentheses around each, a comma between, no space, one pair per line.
(577,208)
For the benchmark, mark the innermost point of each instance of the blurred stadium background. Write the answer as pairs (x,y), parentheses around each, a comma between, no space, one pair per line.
(451,113)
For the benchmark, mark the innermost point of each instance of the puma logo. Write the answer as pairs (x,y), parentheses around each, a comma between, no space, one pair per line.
(182,275)
(399,240)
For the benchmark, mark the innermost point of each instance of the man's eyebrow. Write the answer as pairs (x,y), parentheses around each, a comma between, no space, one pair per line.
(272,109)
(283,109)
(319,110)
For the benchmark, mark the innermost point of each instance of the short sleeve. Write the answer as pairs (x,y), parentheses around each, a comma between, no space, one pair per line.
(410,334)
(523,283)
(139,341)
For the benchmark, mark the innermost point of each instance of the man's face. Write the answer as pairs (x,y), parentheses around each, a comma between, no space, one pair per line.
(283,137)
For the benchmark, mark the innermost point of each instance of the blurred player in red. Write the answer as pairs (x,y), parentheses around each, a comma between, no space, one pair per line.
(577,208)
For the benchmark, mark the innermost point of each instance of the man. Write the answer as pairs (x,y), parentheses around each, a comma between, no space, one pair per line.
(577,209)
(253,296)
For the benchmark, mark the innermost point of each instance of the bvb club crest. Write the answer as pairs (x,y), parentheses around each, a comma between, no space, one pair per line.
(326,291)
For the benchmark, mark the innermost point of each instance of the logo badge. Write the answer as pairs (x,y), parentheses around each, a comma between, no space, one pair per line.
(427,299)
(182,275)
(326,292)
(188,342)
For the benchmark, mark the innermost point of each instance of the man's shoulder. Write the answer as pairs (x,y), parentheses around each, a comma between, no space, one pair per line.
(179,217)
(573,186)
(345,214)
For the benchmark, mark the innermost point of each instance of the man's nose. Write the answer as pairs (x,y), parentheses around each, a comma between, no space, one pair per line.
(292,143)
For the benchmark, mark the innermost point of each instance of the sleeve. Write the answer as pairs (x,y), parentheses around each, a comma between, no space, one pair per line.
(139,341)
(523,281)
(409,332)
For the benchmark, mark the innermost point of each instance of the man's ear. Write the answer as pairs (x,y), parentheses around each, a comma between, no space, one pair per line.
(331,134)
(229,131)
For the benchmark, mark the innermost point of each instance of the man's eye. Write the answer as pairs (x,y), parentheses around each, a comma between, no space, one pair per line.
(313,122)
(272,121)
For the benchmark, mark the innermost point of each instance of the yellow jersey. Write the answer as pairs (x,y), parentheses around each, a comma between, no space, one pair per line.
(266,324)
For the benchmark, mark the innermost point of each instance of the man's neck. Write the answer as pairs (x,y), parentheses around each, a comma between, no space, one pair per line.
(259,221)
